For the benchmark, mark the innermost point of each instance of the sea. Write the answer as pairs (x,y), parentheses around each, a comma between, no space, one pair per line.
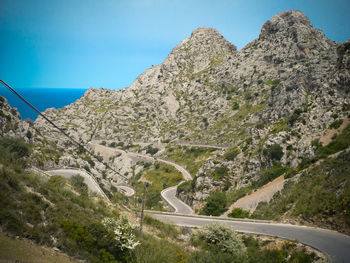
(40,98)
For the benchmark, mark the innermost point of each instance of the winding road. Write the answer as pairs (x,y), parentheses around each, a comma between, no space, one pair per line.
(168,194)
(334,244)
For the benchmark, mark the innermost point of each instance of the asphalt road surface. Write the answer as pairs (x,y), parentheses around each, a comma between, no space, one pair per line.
(169,195)
(335,245)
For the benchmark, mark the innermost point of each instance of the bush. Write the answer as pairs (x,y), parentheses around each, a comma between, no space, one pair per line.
(17,148)
(221,236)
(91,162)
(184,187)
(113,144)
(269,175)
(56,181)
(239,213)
(216,204)
(167,230)
(14,153)
(294,117)
(220,172)
(231,154)
(336,124)
(274,152)
(151,150)
(78,183)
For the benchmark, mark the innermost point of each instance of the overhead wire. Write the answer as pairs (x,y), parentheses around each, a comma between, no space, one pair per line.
(81,146)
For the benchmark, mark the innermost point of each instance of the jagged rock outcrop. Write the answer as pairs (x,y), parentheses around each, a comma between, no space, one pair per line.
(284,88)
(11,123)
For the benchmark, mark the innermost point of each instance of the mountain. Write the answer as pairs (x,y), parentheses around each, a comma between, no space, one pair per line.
(268,105)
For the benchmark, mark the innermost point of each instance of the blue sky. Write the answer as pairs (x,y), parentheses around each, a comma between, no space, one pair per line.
(108,43)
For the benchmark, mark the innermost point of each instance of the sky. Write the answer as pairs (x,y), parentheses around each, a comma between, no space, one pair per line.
(108,43)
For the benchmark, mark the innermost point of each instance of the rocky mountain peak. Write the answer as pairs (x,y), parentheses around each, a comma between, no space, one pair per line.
(205,32)
(293,27)
(288,37)
(286,21)
(205,46)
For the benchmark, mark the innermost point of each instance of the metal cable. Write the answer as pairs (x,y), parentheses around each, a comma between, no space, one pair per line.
(58,128)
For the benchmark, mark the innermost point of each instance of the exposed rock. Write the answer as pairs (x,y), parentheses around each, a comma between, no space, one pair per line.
(12,125)
(285,88)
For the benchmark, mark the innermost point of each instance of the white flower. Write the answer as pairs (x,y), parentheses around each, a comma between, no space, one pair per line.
(122,230)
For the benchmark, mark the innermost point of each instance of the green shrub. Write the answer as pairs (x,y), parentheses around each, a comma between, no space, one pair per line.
(151,150)
(77,182)
(222,237)
(87,168)
(184,187)
(216,204)
(113,144)
(167,230)
(238,213)
(267,176)
(290,173)
(220,172)
(236,194)
(91,162)
(231,154)
(273,82)
(213,254)
(273,152)
(294,117)
(336,124)
(235,106)
(13,150)
(190,157)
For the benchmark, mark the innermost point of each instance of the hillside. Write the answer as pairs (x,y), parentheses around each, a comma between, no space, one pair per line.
(47,218)
(266,105)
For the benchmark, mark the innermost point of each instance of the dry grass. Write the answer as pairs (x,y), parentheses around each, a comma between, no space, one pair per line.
(26,251)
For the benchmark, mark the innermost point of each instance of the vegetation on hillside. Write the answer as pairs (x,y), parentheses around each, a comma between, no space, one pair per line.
(48,212)
(192,158)
(321,196)
(158,177)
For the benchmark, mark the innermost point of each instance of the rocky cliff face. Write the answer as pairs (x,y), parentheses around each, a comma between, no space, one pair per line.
(284,88)
(11,124)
